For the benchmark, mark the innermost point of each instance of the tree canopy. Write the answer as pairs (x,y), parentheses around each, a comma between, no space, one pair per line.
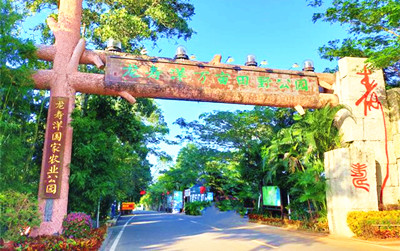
(374,32)
(235,154)
(129,21)
(22,110)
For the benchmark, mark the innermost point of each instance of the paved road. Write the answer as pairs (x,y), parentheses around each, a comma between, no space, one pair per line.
(215,230)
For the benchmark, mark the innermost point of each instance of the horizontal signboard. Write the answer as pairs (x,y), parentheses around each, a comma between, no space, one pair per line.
(191,80)
(128,206)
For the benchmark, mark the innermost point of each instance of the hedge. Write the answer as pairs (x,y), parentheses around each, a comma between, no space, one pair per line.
(378,224)
(315,225)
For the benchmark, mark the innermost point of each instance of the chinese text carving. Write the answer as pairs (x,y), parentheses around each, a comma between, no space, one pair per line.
(359,174)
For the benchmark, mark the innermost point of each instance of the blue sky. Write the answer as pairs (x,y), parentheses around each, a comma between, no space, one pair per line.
(278,31)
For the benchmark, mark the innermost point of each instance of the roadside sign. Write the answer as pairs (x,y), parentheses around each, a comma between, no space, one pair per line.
(271,196)
(128,206)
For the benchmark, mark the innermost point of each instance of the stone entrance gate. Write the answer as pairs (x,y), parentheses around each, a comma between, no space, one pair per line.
(365,174)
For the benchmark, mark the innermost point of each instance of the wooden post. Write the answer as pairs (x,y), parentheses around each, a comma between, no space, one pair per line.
(56,161)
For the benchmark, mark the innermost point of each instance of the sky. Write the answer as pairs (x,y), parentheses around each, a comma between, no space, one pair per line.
(278,31)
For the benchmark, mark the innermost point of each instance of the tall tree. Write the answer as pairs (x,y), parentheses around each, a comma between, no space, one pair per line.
(22,110)
(112,139)
(294,159)
(109,154)
(374,29)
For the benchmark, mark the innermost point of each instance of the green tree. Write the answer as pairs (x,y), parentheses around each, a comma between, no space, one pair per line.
(374,32)
(240,136)
(294,159)
(111,139)
(22,110)
(129,21)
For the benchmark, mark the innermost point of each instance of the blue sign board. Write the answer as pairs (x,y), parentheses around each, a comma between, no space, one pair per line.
(178,202)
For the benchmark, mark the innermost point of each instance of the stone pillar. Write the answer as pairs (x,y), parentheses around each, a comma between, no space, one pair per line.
(366,123)
(365,174)
(347,190)
(393,96)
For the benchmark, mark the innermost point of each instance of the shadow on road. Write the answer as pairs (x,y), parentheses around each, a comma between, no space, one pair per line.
(161,231)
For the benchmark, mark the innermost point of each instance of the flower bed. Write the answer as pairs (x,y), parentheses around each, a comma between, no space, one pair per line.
(316,225)
(375,224)
(42,243)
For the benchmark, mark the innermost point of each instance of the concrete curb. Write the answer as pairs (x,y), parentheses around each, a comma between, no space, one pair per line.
(110,232)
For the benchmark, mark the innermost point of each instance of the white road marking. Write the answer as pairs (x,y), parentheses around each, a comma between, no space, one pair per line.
(214,228)
(264,244)
(114,245)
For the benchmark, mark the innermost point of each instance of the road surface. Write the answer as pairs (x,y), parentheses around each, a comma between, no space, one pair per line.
(225,231)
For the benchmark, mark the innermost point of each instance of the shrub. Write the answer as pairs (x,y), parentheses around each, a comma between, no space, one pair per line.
(228,205)
(17,212)
(195,208)
(44,243)
(77,225)
(380,224)
(316,225)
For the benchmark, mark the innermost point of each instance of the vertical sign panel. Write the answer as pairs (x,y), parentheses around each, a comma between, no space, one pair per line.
(58,115)
(178,202)
(271,196)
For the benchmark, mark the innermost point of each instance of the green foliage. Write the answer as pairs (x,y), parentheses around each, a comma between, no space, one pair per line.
(196,207)
(231,205)
(374,32)
(17,212)
(375,224)
(130,21)
(236,138)
(294,159)
(22,111)
(244,150)
(93,242)
(315,225)
(111,139)
(77,225)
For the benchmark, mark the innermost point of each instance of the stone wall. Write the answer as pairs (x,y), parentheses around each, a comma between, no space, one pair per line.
(342,195)
(369,125)
(393,98)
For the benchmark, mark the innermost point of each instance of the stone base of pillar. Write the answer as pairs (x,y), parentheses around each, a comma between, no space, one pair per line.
(351,186)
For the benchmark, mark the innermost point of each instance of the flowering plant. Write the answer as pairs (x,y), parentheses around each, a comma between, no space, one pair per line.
(77,225)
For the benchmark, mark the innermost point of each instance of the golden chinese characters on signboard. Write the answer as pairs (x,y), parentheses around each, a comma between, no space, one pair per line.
(199,81)
(54,148)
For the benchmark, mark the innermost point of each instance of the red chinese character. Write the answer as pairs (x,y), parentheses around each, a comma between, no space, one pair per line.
(370,98)
(359,172)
